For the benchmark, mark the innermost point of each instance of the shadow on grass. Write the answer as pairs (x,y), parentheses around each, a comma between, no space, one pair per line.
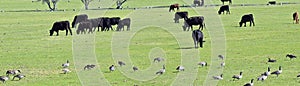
(186,48)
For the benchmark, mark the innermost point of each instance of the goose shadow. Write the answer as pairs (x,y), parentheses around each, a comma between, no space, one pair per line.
(107,71)
(186,48)
(175,71)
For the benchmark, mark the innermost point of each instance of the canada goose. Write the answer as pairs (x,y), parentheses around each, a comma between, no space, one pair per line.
(112,68)
(158,59)
(291,56)
(180,68)
(277,72)
(161,71)
(267,73)
(221,57)
(262,77)
(250,84)
(89,66)
(223,64)
(271,60)
(218,77)
(135,68)
(121,63)
(66,70)
(12,72)
(20,76)
(202,64)
(65,65)
(4,78)
(237,76)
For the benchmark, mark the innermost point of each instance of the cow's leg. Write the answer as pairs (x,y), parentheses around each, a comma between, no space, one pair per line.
(128,27)
(245,24)
(57,33)
(201,42)
(70,31)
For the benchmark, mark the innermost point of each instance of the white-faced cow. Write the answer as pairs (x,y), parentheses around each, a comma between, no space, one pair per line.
(223,9)
(198,38)
(247,18)
(83,26)
(173,6)
(122,23)
(180,15)
(79,18)
(61,25)
(196,20)
(230,2)
(296,17)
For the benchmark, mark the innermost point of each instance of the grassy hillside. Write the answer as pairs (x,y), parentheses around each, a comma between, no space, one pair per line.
(25,44)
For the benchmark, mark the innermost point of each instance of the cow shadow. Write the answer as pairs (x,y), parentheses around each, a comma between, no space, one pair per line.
(182,48)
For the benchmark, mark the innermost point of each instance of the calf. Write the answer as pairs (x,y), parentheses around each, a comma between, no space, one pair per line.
(61,25)
(79,18)
(180,15)
(198,38)
(230,2)
(296,17)
(224,8)
(122,23)
(196,20)
(247,18)
(173,6)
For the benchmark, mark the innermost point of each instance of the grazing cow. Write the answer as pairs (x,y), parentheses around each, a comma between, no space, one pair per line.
(79,18)
(180,15)
(198,38)
(223,9)
(296,17)
(272,2)
(230,2)
(61,25)
(247,18)
(86,25)
(173,6)
(197,20)
(95,23)
(122,23)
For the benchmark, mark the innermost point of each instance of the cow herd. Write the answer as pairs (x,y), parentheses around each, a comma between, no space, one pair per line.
(84,24)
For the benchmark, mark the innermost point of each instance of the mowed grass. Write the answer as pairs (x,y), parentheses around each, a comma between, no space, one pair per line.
(25,44)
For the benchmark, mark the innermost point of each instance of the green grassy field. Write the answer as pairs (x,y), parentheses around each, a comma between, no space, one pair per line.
(25,44)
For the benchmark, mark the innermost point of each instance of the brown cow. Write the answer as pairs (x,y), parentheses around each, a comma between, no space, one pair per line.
(174,6)
(296,18)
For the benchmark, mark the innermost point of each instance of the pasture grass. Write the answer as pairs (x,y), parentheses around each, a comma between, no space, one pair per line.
(25,44)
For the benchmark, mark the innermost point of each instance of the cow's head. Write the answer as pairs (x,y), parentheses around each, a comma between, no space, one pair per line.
(51,32)
(219,12)
(241,24)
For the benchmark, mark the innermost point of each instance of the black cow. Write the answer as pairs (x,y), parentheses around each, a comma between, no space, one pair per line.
(296,17)
(173,6)
(79,18)
(105,24)
(224,8)
(61,25)
(196,20)
(122,23)
(83,26)
(95,23)
(226,0)
(198,38)
(247,18)
(180,15)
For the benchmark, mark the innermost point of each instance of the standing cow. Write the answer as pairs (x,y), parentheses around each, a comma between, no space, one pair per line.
(247,18)
(296,17)
(223,9)
(230,2)
(196,20)
(180,15)
(198,38)
(79,18)
(61,25)
(198,2)
(83,26)
(173,6)
(122,23)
